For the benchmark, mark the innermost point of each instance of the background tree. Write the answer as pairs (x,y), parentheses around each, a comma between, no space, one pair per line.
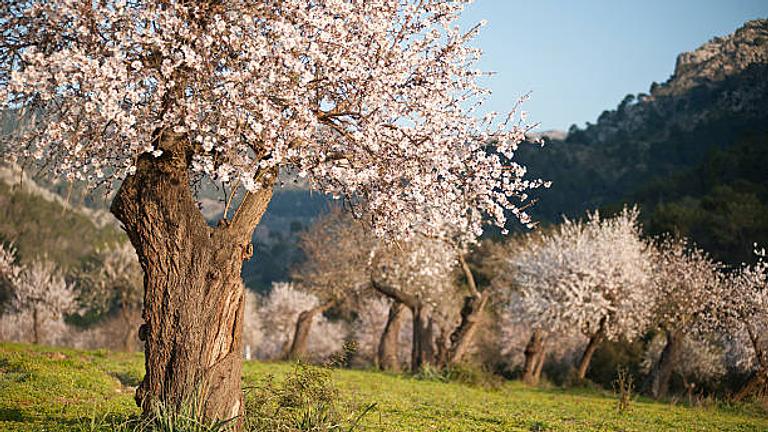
(42,295)
(742,314)
(279,310)
(383,339)
(336,270)
(113,284)
(686,281)
(592,275)
(370,101)
(419,274)
(9,273)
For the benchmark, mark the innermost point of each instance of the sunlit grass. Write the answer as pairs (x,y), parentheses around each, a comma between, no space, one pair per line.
(45,389)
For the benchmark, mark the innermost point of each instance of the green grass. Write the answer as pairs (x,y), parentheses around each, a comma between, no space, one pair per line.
(47,389)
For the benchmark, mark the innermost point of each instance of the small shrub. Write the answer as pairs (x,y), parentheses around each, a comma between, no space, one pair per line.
(464,373)
(623,386)
(306,400)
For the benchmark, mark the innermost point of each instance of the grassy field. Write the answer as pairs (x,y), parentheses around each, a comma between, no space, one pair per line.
(46,389)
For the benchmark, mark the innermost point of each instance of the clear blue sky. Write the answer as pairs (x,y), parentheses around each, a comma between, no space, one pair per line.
(580,57)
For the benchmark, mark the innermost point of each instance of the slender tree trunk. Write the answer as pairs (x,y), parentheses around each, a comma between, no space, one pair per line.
(35,327)
(532,353)
(662,370)
(388,344)
(463,335)
(193,293)
(540,359)
(300,341)
(423,351)
(586,358)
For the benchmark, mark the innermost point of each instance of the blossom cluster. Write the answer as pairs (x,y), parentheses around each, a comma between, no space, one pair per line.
(592,275)
(372,101)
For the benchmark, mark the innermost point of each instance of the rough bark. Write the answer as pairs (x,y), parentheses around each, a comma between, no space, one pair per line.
(388,344)
(193,294)
(462,337)
(471,313)
(300,341)
(594,342)
(533,350)
(662,370)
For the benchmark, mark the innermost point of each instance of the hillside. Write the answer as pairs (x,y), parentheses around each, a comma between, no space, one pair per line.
(31,216)
(65,390)
(692,151)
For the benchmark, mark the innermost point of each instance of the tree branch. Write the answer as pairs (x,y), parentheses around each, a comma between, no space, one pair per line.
(470,277)
(250,211)
(395,294)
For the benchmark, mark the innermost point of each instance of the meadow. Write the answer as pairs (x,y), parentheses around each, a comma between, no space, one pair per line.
(52,389)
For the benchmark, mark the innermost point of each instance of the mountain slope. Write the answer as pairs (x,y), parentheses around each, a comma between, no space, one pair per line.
(652,147)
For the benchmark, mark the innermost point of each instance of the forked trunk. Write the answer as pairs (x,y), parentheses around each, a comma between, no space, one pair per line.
(594,342)
(300,342)
(533,350)
(462,337)
(388,347)
(193,293)
(662,371)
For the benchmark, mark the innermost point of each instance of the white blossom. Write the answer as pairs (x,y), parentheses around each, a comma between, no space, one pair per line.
(582,274)
(372,101)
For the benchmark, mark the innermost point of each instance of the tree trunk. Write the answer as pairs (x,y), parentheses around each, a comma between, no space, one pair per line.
(540,359)
(662,370)
(388,344)
(193,293)
(298,350)
(423,351)
(462,337)
(35,327)
(532,353)
(586,358)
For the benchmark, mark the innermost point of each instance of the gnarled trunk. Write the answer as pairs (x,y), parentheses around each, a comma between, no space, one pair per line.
(533,351)
(193,293)
(461,338)
(387,357)
(594,341)
(662,370)
(300,341)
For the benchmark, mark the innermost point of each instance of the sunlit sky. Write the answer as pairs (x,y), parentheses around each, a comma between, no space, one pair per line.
(580,57)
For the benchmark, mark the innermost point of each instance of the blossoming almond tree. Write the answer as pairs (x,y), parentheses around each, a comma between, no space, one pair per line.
(41,293)
(419,274)
(592,275)
(686,281)
(373,101)
(336,269)
(743,314)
